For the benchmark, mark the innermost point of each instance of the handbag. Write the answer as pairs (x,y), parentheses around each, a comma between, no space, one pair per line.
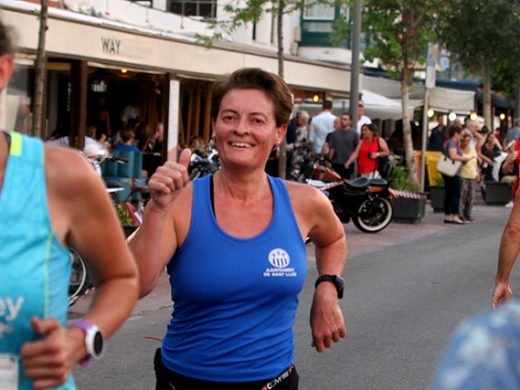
(447,166)
(384,165)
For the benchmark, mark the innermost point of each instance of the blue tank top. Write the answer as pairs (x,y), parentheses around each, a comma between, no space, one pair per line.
(235,299)
(34,266)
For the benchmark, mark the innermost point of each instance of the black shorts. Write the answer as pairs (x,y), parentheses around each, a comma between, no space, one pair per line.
(169,380)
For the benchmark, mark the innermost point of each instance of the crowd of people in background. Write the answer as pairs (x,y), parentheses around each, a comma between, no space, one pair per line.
(487,158)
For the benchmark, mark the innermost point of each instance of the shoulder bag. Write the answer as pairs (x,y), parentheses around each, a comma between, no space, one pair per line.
(447,166)
(384,165)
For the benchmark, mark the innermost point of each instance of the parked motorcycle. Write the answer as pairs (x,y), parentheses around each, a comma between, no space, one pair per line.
(203,162)
(367,202)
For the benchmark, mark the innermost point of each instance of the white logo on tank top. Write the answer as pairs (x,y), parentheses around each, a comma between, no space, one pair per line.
(9,309)
(280,260)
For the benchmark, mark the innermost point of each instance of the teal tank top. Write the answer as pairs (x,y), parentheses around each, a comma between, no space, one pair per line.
(235,299)
(34,266)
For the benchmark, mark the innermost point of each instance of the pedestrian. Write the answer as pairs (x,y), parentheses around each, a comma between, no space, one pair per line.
(233,245)
(490,151)
(469,180)
(513,133)
(51,200)
(362,118)
(452,184)
(343,142)
(438,135)
(367,151)
(321,125)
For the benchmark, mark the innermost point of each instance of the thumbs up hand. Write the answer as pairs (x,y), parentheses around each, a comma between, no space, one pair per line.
(168,179)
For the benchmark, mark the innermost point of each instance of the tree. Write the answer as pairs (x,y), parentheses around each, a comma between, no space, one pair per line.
(482,36)
(250,11)
(39,79)
(398,33)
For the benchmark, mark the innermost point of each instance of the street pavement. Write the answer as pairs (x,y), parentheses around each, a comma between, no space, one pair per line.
(375,286)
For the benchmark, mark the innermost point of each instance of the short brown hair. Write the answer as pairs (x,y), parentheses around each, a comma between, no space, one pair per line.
(254,78)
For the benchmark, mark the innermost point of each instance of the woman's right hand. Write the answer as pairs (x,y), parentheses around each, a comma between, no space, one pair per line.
(168,179)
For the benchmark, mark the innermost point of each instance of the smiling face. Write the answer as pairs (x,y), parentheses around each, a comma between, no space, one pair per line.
(245,129)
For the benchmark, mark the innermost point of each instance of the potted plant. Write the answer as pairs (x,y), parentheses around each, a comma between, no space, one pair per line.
(126,220)
(408,203)
(437,196)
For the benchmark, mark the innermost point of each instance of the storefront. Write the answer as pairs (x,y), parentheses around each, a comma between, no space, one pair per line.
(99,72)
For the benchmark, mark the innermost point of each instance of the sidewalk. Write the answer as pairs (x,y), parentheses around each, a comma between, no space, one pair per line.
(358,243)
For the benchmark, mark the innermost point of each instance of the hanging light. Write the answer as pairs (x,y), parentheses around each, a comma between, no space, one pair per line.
(452,116)
(473,116)
(124,70)
(502,116)
(315,98)
(430,112)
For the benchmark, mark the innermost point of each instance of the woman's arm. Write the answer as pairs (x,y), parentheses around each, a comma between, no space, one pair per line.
(82,217)
(317,220)
(508,252)
(383,148)
(454,156)
(155,242)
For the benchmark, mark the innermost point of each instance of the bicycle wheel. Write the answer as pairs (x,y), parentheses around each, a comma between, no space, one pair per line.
(79,280)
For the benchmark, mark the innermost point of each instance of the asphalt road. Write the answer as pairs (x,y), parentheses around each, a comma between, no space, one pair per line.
(406,290)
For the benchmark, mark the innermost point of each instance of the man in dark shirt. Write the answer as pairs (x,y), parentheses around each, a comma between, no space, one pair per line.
(438,135)
(342,143)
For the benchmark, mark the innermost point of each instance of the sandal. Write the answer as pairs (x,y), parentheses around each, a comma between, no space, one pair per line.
(457,220)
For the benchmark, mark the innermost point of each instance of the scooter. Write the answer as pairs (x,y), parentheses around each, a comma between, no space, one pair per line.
(367,202)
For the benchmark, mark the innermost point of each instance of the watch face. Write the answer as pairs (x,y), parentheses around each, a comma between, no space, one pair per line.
(98,343)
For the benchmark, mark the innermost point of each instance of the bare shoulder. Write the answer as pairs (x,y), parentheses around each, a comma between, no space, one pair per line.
(305,198)
(67,171)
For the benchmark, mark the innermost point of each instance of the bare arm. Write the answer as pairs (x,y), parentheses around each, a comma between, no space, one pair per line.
(507,254)
(384,147)
(85,220)
(317,219)
(454,156)
(156,240)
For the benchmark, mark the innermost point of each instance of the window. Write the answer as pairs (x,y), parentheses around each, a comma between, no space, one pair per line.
(319,12)
(206,9)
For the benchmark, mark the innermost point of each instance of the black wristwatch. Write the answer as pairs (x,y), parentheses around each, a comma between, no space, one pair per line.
(336,280)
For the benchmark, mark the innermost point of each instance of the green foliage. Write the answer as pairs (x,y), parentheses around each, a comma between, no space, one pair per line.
(399,32)
(241,12)
(401,180)
(124,216)
(340,29)
(484,33)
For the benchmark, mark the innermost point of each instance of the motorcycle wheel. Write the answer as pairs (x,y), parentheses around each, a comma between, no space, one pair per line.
(79,280)
(373,215)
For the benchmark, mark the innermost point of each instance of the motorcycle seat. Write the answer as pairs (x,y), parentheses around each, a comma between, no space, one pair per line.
(378,182)
(359,183)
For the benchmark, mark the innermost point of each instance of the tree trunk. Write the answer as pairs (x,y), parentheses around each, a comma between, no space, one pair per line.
(486,103)
(407,129)
(39,79)
(282,158)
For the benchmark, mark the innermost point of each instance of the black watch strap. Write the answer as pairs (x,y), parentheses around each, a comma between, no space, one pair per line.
(336,280)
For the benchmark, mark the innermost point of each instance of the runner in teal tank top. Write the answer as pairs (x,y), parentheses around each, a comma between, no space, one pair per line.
(50,199)
(34,266)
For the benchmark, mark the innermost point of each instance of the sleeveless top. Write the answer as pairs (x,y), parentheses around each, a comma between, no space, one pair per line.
(34,266)
(235,299)
(365,163)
